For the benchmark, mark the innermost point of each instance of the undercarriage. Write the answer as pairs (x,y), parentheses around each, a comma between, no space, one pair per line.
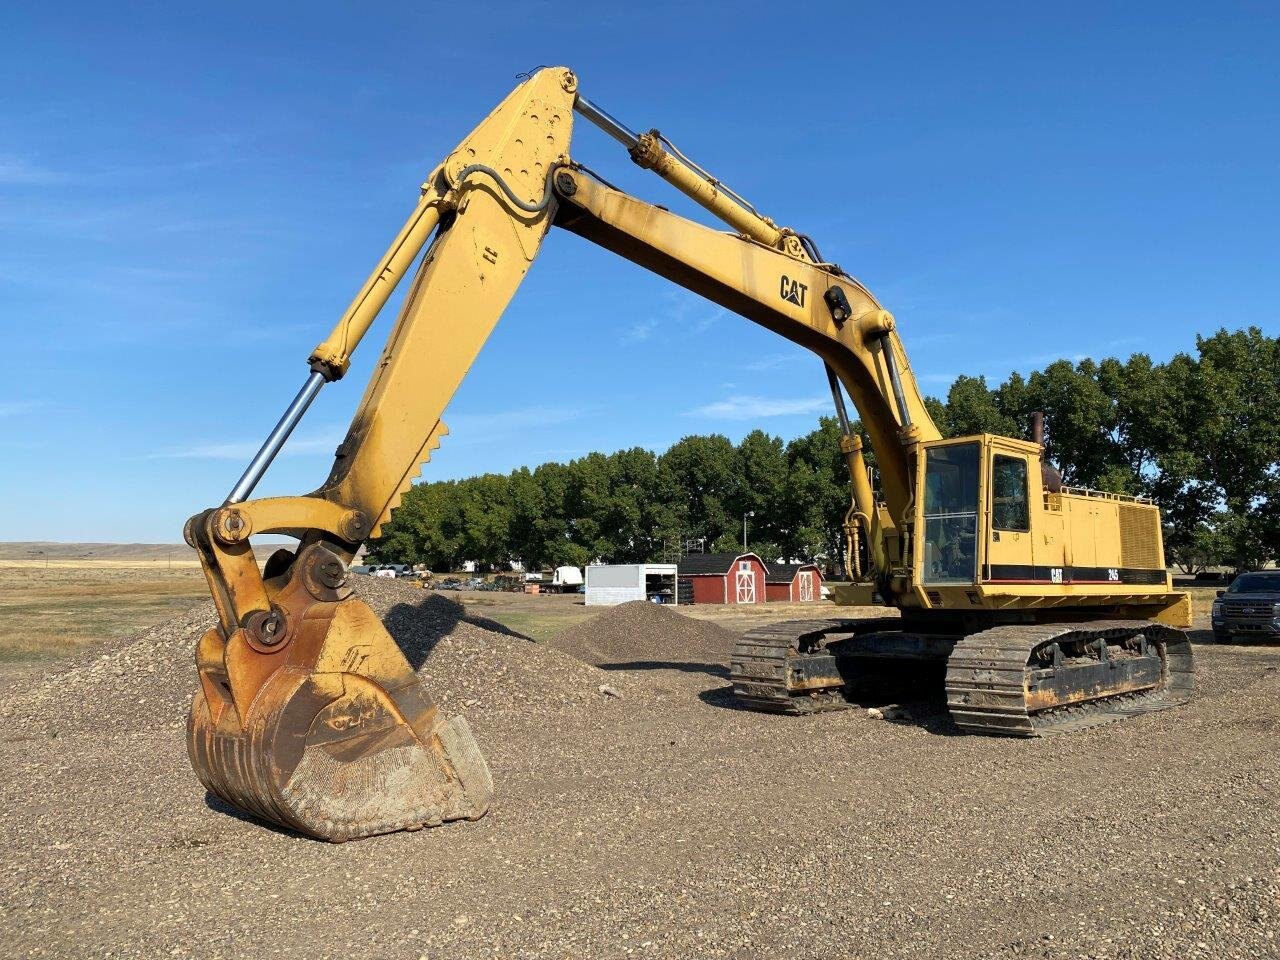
(1013,679)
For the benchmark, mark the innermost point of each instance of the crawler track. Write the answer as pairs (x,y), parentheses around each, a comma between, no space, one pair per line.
(1014,680)
(773,668)
(1009,681)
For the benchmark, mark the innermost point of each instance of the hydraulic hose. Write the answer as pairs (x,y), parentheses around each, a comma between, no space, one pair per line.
(502,184)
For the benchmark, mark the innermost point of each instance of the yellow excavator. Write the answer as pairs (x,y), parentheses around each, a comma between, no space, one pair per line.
(1048,609)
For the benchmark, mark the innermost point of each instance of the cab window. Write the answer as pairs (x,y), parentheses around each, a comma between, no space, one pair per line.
(951,514)
(1009,507)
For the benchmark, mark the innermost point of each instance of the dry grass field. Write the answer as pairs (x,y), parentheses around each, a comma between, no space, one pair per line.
(54,610)
(58,598)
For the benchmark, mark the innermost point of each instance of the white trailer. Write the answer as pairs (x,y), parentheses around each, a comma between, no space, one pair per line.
(609,584)
(567,579)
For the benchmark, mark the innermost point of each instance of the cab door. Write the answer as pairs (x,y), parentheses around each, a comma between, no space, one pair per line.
(949,522)
(1009,541)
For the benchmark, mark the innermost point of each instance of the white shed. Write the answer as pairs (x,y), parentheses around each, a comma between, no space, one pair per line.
(614,583)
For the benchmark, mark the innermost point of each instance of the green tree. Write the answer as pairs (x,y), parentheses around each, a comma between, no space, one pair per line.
(478,519)
(764,489)
(819,490)
(1079,421)
(938,414)
(973,408)
(1234,437)
(416,531)
(699,476)
(528,513)
(550,542)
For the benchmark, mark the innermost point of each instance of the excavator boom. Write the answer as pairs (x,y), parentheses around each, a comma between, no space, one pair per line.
(308,715)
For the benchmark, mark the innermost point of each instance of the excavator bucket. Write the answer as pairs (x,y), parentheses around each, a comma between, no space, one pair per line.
(326,729)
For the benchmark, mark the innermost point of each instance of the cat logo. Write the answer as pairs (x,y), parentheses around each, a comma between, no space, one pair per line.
(793,291)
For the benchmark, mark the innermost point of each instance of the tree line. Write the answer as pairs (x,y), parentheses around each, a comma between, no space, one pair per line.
(1199,434)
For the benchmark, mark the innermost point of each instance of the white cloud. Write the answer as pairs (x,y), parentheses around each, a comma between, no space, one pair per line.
(245,449)
(751,408)
(639,332)
(470,429)
(1044,359)
(11,408)
(14,171)
(514,418)
(705,323)
(682,311)
(927,339)
(772,362)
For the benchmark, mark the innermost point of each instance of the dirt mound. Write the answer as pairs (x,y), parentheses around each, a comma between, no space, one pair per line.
(469,664)
(644,634)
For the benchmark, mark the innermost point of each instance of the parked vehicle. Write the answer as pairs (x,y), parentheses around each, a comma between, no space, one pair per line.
(389,570)
(563,580)
(1249,609)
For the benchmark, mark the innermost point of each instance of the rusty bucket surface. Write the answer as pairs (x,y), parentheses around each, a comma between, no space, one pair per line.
(328,730)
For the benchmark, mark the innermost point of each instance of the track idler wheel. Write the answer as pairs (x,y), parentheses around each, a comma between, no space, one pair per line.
(314,720)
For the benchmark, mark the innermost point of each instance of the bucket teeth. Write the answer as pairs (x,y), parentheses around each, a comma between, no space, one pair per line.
(340,741)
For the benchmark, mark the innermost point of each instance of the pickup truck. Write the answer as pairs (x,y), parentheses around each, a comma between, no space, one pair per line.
(1249,609)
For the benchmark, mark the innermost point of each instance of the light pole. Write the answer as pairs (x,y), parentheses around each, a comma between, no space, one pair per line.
(749,513)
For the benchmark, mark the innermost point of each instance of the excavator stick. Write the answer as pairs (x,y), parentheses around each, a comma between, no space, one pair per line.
(308,714)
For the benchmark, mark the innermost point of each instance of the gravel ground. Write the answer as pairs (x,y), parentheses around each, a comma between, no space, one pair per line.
(661,822)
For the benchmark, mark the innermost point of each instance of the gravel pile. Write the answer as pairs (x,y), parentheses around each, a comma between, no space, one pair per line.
(654,823)
(645,634)
(468,663)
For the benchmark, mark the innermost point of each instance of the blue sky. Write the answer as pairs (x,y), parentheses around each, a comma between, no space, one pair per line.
(189,198)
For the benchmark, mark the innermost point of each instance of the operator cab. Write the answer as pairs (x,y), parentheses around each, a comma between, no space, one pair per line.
(976,495)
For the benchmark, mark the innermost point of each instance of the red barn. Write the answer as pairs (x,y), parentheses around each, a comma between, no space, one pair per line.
(794,582)
(723,578)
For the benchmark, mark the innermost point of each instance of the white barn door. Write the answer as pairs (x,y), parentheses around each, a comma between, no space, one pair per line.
(745,583)
(806,585)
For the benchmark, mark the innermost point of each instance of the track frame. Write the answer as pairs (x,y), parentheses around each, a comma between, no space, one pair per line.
(1013,679)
